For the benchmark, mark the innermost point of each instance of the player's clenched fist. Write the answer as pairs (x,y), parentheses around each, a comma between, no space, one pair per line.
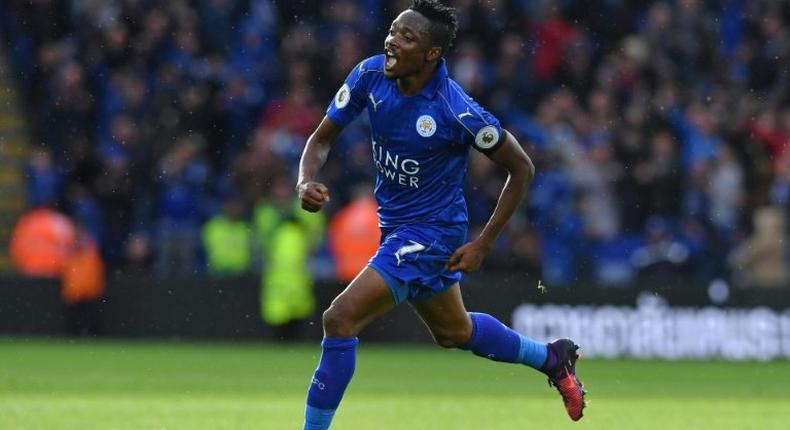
(313,195)
(467,258)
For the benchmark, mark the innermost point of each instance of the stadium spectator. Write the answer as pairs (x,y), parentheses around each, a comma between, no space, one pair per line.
(184,179)
(353,234)
(287,236)
(83,283)
(227,239)
(117,194)
(137,253)
(86,210)
(762,260)
(657,177)
(663,256)
(726,192)
(772,130)
(44,179)
(41,242)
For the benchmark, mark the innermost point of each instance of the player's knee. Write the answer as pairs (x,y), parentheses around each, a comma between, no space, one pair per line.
(452,338)
(337,323)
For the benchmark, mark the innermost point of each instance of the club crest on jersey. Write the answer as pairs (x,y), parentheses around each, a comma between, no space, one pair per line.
(426,126)
(342,97)
(487,137)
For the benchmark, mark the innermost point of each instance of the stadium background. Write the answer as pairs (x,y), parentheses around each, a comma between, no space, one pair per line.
(660,133)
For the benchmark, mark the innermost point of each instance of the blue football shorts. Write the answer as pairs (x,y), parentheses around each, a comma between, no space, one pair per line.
(411,260)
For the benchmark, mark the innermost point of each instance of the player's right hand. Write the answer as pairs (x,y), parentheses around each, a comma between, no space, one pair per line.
(313,195)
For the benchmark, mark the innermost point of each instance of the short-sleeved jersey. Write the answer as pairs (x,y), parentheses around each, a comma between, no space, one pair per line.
(420,143)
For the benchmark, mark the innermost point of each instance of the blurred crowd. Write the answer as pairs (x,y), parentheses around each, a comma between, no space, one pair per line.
(658,128)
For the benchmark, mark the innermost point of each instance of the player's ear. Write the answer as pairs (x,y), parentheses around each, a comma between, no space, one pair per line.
(434,53)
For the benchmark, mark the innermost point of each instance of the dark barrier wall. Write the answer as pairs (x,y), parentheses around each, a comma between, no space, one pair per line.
(138,306)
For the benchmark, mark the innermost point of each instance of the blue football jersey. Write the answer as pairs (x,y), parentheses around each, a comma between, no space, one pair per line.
(420,144)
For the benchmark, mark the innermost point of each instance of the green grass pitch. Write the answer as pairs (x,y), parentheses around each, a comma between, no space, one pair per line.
(140,385)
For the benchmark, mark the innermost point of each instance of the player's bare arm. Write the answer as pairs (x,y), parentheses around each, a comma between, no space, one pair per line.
(314,194)
(511,157)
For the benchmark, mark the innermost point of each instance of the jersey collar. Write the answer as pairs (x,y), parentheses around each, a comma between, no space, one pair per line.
(430,89)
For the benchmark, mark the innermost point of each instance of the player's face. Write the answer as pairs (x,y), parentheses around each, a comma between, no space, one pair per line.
(407,46)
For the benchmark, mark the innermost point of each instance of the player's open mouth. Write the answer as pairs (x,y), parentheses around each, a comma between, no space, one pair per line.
(391,59)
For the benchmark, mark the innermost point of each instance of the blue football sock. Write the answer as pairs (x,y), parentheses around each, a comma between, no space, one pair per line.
(493,340)
(330,380)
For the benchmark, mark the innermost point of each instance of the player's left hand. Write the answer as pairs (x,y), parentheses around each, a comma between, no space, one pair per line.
(468,257)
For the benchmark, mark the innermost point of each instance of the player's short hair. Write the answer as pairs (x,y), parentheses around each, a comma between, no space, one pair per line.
(444,24)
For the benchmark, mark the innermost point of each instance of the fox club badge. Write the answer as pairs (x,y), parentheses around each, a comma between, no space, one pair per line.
(426,126)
